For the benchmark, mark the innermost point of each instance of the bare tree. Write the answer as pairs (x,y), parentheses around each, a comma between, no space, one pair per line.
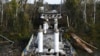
(94,11)
(22,4)
(84,11)
(1,5)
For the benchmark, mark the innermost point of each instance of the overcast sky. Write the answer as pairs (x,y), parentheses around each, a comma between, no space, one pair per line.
(49,1)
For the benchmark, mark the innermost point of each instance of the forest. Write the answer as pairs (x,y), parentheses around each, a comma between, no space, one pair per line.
(19,19)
